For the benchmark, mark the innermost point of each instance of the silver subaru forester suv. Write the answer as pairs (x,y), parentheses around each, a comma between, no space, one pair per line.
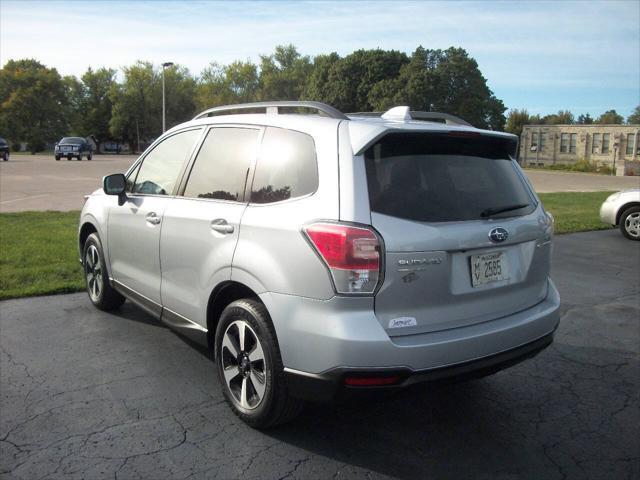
(320,254)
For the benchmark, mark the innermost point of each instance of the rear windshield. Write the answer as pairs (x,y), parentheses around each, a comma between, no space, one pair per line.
(435,177)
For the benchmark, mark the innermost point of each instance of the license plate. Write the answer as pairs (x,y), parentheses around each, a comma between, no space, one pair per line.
(489,268)
(66,149)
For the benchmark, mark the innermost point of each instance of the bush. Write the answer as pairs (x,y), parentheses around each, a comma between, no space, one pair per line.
(581,165)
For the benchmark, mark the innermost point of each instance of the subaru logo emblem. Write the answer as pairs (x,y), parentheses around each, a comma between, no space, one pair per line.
(498,234)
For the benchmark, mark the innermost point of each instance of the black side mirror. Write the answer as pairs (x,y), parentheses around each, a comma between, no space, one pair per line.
(115,184)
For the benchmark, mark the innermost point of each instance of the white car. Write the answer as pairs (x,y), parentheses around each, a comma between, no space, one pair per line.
(623,209)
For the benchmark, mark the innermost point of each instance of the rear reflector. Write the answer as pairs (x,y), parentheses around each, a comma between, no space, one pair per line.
(352,255)
(371,381)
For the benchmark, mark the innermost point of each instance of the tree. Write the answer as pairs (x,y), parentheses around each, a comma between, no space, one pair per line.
(634,118)
(516,119)
(283,74)
(95,104)
(585,119)
(347,83)
(563,117)
(33,103)
(443,80)
(610,117)
(222,85)
(137,102)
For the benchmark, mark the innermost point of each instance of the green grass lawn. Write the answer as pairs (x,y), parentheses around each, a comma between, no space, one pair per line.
(575,211)
(38,253)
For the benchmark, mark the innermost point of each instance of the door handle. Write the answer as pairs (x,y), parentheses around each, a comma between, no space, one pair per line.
(220,225)
(152,218)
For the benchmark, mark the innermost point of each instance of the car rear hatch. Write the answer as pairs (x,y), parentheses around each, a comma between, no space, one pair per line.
(466,240)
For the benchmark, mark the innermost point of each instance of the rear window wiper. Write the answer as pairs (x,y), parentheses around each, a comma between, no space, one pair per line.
(488,212)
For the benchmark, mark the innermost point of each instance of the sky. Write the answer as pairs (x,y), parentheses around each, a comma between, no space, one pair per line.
(542,55)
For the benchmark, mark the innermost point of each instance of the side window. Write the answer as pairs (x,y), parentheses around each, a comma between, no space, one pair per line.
(161,167)
(131,178)
(286,167)
(220,169)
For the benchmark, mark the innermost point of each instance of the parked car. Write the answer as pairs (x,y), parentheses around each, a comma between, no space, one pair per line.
(622,210)
(4,149)
(71,147)
(322,255)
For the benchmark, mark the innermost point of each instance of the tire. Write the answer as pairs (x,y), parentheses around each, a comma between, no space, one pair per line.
(256,371)
(5,156)
(90,156)
(630,223)
(69,157)
(57,158)
(79,158)
(100,292)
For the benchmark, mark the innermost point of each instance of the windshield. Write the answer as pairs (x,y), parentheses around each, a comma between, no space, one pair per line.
(72,140)
(437,177)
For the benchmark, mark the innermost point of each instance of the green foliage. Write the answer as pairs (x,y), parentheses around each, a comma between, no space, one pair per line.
(634,118)
(283,75)
(575,211)
(516,119)
(237,82)
(137,101)
(563,117)
(38,254)
(585,119)
(581,165)
(94,104)
(347,83)
(610,117)
(33,103)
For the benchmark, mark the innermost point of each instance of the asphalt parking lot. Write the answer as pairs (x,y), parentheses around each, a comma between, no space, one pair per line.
(38,182)
(87,394)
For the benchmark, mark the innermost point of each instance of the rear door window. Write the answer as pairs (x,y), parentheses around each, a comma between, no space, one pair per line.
(221,166)
(286,167)
(435,177)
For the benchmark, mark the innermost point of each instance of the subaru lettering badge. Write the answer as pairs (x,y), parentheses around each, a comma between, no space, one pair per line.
(498,234)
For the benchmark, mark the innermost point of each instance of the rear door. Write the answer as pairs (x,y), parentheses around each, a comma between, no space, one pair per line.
(464,236)
(201,225)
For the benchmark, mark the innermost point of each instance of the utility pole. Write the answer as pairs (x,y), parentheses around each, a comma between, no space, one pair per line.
(164,119)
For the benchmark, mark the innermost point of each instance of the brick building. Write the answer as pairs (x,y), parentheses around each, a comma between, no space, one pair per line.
(615,146)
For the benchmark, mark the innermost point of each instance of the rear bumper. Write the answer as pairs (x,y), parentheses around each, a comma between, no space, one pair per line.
(331,385)
(323,340)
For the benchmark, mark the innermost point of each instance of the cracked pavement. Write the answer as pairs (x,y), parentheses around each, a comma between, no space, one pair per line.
(86,394)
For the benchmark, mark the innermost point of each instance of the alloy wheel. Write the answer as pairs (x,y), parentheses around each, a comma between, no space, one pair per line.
(243,365)
(632,224)
(93,271)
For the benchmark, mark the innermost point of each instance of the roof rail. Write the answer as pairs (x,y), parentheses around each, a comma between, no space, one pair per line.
(400,113)
(273,108)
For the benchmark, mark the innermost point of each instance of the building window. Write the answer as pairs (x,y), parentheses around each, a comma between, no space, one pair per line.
(534,141)
(543,141)
(630,140)
(605,143)
(564,142)
(573,142)
(595,143)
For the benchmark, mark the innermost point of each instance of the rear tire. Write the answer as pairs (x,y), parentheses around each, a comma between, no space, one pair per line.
(5,156)
(90,156)
(251,370)
(57,158)
(79,158)
(630,223)
(100,291)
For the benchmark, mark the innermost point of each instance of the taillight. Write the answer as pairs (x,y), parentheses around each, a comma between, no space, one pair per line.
(352,255)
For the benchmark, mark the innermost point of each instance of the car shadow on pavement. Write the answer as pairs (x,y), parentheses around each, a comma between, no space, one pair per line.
(407,432)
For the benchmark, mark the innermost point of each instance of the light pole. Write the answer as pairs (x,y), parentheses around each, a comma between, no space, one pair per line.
(164,120)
